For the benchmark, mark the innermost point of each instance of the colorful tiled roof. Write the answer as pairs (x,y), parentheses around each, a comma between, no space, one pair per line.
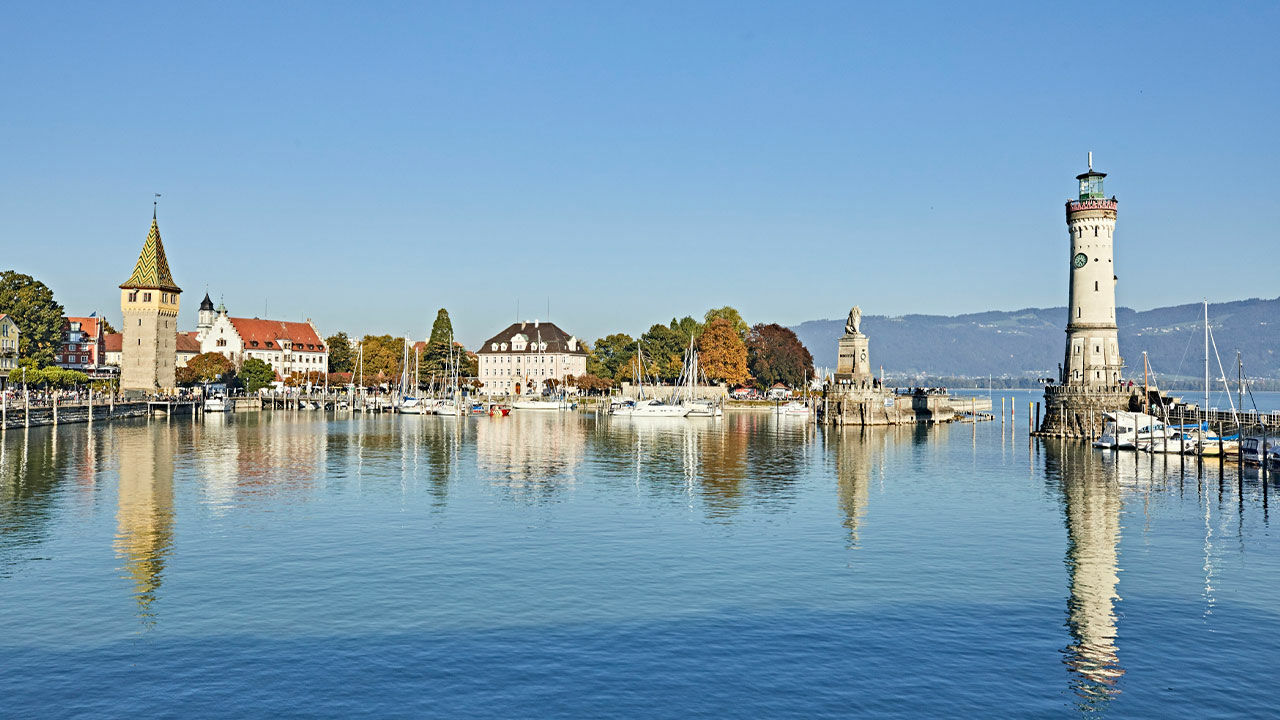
(152,270)
(267,334)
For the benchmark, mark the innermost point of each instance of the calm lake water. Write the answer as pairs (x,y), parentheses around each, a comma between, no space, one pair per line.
(560,565)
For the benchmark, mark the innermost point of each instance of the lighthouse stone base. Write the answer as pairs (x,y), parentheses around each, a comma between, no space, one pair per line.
(1077,412)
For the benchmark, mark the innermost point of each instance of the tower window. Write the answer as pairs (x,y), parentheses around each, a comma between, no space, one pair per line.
(1077,312)
(1095,286)
(1095,231)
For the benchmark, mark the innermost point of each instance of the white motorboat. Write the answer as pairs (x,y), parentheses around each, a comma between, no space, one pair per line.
(704,408)
(446,407)
(1123,430)
(414,406)
(656,408)
(215,404)
(534,404)
(795,407)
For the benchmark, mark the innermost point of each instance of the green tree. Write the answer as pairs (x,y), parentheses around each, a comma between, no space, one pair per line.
(688,328)
(663,351)
(39,318)
(341,356)
(610,354)
(721,353)
(107,327)
(382,358)
(209,367)
(732,315)
(440,348)
(256,374)
(776,355)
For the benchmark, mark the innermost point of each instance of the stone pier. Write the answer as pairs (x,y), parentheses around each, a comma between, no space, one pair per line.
(1072,411)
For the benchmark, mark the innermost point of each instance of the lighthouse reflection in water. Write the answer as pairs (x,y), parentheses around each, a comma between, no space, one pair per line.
(753,565)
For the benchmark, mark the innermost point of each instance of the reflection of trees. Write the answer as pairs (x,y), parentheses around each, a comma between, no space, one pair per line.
(441,439)
(1092,504)
(741,459)
(29,476)
(144,514)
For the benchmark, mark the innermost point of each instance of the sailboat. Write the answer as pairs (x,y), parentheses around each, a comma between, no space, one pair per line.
(449,406)
(410,403)
(687,395)
(648,407)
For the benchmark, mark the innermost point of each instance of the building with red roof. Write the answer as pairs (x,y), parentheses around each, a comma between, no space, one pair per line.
(81,345)
(288,347)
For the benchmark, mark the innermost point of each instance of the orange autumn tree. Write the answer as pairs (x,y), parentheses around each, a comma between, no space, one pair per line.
(722,354)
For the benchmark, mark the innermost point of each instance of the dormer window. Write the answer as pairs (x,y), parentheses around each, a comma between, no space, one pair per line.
(253,343)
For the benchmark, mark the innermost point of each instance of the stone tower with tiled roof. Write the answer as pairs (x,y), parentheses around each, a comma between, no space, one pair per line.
(149,303)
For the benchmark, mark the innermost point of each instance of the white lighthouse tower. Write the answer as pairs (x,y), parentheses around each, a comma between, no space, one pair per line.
(1092,357)
(1089,379)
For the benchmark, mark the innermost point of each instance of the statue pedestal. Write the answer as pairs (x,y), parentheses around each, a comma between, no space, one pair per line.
(854,357)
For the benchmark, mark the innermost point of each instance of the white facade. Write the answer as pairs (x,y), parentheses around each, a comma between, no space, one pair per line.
(522,358)
(1092,357)
(8,345)
(288,347)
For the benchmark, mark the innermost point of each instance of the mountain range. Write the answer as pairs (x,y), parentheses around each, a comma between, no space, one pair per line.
(1029,343)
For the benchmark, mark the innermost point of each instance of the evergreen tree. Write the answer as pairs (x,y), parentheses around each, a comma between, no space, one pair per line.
(435,359)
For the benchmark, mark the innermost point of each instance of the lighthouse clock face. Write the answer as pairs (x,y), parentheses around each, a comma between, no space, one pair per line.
(1080,260)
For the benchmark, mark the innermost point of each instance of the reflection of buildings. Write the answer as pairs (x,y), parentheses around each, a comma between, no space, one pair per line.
(531,450)
(144,514)
(1091,501)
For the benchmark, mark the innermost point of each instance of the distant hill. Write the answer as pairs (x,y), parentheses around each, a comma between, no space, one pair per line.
(1029,343)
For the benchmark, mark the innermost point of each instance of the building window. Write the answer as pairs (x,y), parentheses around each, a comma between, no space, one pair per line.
(1095,286)
(146,297)
(1077,312)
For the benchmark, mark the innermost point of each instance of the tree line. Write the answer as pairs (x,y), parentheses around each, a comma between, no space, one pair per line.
(729,351)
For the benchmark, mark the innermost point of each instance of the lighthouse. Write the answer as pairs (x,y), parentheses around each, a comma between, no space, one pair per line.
(1092,358)
(1089,378)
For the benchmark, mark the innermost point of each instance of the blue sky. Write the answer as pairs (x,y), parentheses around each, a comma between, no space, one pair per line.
(366,164)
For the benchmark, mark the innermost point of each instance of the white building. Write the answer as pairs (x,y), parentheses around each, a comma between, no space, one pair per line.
(8,347)
(288,347)
(524,356)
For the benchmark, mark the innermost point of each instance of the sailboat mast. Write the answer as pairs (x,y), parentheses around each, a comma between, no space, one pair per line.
(1240,380)
(1206,356)
(1146,384)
